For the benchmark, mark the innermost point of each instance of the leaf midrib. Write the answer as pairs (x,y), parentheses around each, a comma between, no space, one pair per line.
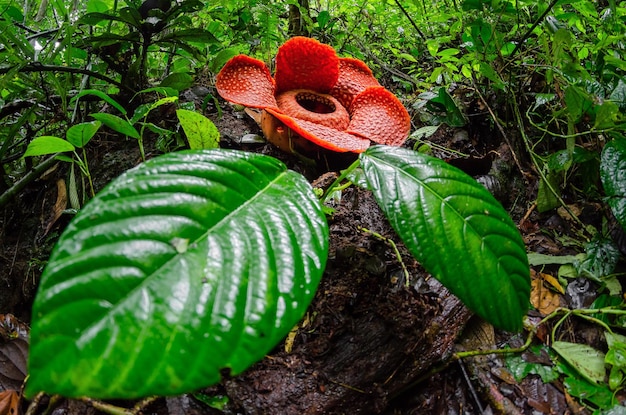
(431,190)
(148,278)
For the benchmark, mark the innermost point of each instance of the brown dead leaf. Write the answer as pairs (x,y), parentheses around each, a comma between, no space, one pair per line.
(565,213)
(553,282)
(9,402)
(255,114)
(13,352)
(541,296)
(59,206)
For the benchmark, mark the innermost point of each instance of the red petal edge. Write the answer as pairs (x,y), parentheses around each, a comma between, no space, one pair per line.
(323,136)
(304,63)
(246,81)
(354,77)
(378,115)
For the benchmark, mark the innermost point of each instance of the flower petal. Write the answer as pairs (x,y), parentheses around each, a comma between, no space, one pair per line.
(323,136)
(246,81)
(354,77)
(378,115)
(304,63)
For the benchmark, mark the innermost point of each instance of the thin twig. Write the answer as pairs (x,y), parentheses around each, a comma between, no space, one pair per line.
(34,404)
(107,407)
(533,157)
(393,245)
(37,67)
(142,404)
(408,16)
(532,28)
(469,384)
(500,128)
(24,181)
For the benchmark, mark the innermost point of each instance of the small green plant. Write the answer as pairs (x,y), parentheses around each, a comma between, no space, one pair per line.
(203,260)
(76,138)
(590,375)
(200,131)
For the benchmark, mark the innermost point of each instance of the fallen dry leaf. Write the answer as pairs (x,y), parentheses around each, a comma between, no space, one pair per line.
(9,402)
(13,352)
(565,213)
(59,206)
(542,297)
(553,282)
(254,114)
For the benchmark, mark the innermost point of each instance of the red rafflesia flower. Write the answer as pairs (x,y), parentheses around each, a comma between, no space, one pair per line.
(335,103)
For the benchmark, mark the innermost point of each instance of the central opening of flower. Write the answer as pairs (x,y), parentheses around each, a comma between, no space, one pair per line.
(315,103)
(315,107)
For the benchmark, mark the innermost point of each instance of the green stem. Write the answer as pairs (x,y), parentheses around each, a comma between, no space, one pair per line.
(582,313)
(84,168)
(337,183)
(107,407)
(140,139)
(534,157)
(572,135)
(393,245)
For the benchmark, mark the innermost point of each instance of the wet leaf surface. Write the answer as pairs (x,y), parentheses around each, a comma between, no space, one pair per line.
(186,260)
(455,228)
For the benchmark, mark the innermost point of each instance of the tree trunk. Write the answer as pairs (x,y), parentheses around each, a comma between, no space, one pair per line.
(298,25)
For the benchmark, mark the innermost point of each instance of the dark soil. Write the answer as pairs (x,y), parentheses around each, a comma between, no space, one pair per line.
(371,342)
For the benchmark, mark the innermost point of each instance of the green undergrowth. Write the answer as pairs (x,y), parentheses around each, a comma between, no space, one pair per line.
(548,78)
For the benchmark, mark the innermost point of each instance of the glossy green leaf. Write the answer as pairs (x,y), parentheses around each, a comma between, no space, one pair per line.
(100,95)
(618,95)
(131,16)
(520,367)
(597,394)
(80,134)
(96,17)
(443,103)
(607,115)
(546,199)
(178,81)
(200,131)
(47,145)
(116,123)
(323,17)
(613,175)
(96,6)
(456,229)
(601,260)
(221,58)
(161,90)
(190,264)
(577,102)
(191,35)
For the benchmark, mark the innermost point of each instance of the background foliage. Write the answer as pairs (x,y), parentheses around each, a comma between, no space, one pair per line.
(549,77)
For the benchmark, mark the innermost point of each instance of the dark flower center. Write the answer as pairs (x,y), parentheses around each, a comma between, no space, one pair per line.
(315,103)
(312,106)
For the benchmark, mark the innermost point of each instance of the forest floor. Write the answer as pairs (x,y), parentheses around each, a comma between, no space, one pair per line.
(371,342)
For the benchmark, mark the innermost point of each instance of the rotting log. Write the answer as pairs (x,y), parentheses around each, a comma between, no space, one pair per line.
(367,335)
